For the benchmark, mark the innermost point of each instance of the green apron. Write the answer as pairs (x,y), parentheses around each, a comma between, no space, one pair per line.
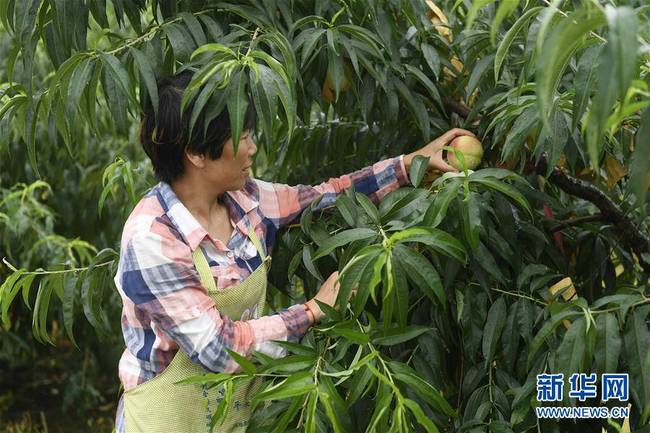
(160,406)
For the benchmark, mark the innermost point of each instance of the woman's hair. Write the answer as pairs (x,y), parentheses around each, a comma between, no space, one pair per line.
(166,138)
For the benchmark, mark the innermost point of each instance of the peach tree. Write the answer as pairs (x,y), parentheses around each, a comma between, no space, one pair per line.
(469,284)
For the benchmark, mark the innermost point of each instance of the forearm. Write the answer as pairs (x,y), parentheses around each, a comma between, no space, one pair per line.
(286,202)
(208,339)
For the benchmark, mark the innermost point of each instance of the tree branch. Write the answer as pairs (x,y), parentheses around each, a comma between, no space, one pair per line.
(456,107)
(561,225)
(631,236)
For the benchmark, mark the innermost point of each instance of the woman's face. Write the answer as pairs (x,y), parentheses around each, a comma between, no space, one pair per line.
(231,170)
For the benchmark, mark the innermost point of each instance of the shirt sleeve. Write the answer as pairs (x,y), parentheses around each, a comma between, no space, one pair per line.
(159,277)
(282,203)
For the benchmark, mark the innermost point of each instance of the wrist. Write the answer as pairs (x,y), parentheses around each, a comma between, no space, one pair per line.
(407,161)
(313,310)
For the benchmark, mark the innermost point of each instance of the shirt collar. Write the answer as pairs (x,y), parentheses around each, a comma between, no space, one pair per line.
(189,228)
(241,203)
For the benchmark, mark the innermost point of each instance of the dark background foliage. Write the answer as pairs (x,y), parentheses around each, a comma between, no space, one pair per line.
(459,306)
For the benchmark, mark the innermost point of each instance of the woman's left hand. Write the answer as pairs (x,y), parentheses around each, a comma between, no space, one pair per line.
(434,150)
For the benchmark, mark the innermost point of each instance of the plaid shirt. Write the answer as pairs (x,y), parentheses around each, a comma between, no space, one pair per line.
(164,305)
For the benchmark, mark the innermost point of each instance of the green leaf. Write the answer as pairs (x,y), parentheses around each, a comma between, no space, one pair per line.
(87,302)
(343,238)
(426,82)
(298,349)
(237,104)
(518,133)
(288,415)
(69,295)
(608,343)
(556,52)
(640,161)
(496,320)
(547,330)
(263,91)
(431,57)
(39,318)
(478,74)
(437,211)
(505,189)
(471,220)
(421,273)
(366,269)
(148,77)
(31,119)
(420,416)
(217,48)
(421,387)
(309,263)
(614,67)
(214,30)
(583,81)
(180,40)
(401,289)
(394,336)
(348,210)
(243,362)
(637,347)
(418,168)
(308,39)
(78,80)
(622,44)
(439,240)
(506,7)
(119,75)
(311,417)
(285,88)
(381,408)
(194,26)
(295,385)
(289,364)
(277,41)
(509,38)
(8,292)
(368,207)
(571,352)
(415,105)
(473,11)
(357,337)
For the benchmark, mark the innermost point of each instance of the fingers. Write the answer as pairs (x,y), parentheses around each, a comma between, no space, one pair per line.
(444,167)
(334,276)
(456,132)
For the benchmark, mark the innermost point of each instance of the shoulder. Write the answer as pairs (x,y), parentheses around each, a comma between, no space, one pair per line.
(149,231)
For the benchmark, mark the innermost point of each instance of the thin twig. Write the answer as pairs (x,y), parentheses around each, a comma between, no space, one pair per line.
(250,46)
(62,271)
(561,225)
(519,295)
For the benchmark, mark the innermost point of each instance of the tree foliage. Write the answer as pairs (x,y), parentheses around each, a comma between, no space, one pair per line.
(463,297)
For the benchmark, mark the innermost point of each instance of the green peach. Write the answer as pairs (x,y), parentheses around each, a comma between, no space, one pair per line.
(471,149)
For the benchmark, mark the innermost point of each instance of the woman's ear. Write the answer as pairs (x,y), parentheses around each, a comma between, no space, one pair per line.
(197,160)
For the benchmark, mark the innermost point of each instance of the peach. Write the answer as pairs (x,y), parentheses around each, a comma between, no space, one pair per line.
(471,149)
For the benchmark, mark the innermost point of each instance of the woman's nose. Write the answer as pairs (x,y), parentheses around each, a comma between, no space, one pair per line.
(252,148)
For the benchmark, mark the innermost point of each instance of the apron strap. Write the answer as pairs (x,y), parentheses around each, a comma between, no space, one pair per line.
(203,267)
(201,264)
(258,244)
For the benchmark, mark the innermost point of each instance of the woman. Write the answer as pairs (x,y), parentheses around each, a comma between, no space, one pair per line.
(194,255)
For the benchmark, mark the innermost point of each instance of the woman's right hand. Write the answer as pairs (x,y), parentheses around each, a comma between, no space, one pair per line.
(327,294)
